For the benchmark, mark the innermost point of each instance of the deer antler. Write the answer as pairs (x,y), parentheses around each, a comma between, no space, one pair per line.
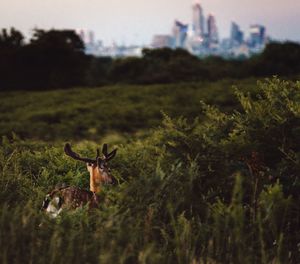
(104,150)
(111,155)
(108,156)
(68,150)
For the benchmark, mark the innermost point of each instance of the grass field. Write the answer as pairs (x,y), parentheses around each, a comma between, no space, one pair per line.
(90,113)
(196,183)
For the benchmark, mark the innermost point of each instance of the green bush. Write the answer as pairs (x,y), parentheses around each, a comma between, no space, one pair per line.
(221,188)
(91,113)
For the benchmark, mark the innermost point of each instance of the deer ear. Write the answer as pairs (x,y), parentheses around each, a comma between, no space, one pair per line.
(104,150)
(111,155)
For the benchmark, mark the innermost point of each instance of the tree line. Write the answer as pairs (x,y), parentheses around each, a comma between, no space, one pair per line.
(56,59)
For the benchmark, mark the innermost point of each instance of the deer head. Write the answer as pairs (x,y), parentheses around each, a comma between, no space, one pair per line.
(98,167)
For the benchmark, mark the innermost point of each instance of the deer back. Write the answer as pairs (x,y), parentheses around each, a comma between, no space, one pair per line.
(68,198)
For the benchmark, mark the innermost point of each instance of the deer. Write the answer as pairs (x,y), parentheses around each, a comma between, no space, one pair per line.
(71,197)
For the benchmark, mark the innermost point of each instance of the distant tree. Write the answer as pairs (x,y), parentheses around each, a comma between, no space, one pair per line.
(98,70)
(54,59)
(219,68)
(11,43)
(127,70)
(277,59)
(163,54)
(11,39)
(167,65)
(66,40)
(184,66)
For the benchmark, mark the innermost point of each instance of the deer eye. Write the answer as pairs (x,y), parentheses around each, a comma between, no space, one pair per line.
(90,164)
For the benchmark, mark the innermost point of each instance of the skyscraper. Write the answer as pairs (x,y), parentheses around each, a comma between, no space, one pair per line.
(236,35)
(257,36)
(198,20)
(180,33)
(212,30)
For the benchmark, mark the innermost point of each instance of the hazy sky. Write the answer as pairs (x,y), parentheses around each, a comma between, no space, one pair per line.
(136,21)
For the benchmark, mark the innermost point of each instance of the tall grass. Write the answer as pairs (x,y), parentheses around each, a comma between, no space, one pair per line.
(91,113)
(219,189)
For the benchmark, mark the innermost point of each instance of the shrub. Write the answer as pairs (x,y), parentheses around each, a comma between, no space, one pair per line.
(222,188)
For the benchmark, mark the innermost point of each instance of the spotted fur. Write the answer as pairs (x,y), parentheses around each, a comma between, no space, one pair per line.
(68,198)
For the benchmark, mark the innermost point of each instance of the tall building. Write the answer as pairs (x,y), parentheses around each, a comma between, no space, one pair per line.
(257,36)
(236,35)
(212,30)
(180,31)
(198,20)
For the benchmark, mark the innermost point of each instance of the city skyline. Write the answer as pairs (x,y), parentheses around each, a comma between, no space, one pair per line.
(134,22)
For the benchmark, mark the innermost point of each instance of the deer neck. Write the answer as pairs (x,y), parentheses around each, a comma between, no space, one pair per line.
(95,180)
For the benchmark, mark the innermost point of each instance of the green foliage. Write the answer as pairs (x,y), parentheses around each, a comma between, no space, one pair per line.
(278,58)
(51,59)
(12,39)
(217,188)
(92,113)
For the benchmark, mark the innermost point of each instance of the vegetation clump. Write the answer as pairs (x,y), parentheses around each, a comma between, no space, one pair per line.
(221,188)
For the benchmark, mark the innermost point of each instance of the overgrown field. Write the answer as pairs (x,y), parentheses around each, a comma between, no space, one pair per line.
(91,113)
(212,186)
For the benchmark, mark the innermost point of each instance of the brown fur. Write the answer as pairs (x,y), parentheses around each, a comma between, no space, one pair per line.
(73,197)
(98,177)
